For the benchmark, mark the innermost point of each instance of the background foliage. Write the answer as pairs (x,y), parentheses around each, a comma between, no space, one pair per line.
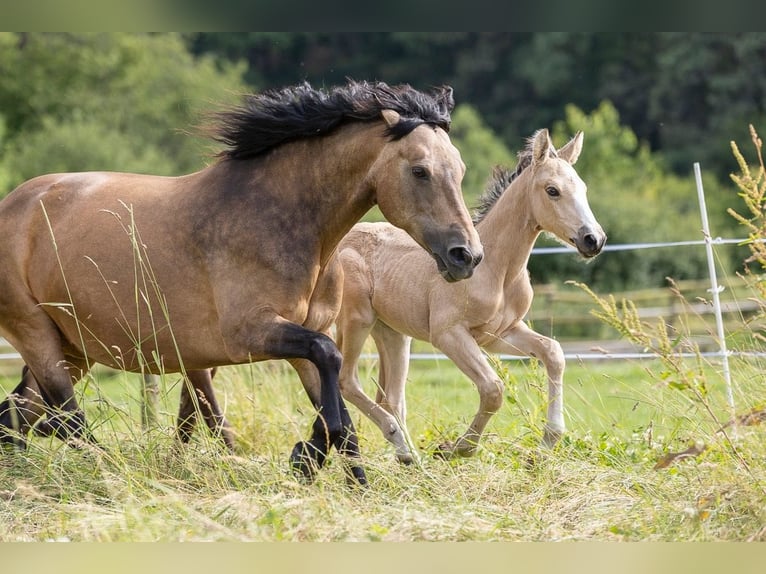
(651,104)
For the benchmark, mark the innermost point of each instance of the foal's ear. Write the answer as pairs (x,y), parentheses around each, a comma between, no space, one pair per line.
(541,146)
(391,117)
(446,99)
(571,150)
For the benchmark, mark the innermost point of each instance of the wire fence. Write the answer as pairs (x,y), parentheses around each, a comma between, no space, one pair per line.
(718,309)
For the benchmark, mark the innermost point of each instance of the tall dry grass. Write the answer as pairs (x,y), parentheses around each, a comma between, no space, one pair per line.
(651,454)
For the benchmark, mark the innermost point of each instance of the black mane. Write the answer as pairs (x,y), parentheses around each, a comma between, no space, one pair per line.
(498,182)
(267,120)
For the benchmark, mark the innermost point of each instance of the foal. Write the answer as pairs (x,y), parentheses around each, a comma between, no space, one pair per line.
(392,291)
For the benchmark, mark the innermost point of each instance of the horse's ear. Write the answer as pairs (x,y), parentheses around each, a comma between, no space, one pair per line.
(392,117)
(541,146)
(571,150)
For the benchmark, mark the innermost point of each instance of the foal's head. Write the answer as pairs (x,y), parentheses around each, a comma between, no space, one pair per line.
(558,196)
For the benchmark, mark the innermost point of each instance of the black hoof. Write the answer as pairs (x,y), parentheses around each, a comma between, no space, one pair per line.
(43,428)
(12,439)
(303,465)
(355,476)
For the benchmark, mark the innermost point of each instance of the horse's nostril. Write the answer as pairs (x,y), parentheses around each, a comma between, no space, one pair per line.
(590,241)
(461,256)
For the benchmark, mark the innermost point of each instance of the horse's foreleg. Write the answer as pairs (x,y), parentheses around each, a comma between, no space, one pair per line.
(462,348)
(526,341)
(348,444)
(55,377)
(291,341)
(198,396)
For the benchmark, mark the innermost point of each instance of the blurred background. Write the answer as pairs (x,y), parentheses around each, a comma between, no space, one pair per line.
(650,103)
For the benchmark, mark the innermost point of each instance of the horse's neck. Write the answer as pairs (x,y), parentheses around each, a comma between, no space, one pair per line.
(318,182)
(339,165)
(508,232)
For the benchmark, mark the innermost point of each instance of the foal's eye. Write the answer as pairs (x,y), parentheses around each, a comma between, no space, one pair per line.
(552,191)
(420,172)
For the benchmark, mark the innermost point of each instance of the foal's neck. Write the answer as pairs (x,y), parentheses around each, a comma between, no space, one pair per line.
(508,231)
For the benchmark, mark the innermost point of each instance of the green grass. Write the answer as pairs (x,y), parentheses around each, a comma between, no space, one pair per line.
(598,484)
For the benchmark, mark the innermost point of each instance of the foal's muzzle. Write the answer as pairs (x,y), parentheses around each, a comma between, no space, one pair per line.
(589,242)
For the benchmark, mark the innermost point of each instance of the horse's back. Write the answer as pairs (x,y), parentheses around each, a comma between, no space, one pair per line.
(107,246)
(53,217)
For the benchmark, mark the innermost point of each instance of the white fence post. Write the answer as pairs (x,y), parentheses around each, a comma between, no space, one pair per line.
(715,290)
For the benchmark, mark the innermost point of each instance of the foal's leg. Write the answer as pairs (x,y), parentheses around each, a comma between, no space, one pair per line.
(394,350)
(462,348)
(528,342)
(197,395)
(351,339)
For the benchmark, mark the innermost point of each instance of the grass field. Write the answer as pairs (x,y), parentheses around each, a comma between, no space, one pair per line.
(599,483)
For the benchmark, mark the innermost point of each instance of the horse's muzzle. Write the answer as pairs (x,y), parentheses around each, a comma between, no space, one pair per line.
(458,263)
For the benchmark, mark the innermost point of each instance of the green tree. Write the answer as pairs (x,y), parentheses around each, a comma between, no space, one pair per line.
(480,149)
(106,102)
(708,88)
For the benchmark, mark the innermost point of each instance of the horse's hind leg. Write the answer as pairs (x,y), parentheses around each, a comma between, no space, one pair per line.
(19,412)
(39,343)
(197,395)
(394,350)
(348,443)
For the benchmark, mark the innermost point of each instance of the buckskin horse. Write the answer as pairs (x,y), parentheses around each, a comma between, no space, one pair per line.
(218,267)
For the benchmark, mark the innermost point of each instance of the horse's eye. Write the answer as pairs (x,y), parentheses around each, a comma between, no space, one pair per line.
(552,191)
(420,172)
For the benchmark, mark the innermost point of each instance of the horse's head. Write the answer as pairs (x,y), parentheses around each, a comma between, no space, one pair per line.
(417,182)
(558,195)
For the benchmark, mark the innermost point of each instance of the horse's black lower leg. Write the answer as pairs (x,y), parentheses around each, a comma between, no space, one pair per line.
(291,341)
(20,411)
(69,426)
(348,445)
(65,419)
(11,424)
(307,457)
(187,414)
(197,396)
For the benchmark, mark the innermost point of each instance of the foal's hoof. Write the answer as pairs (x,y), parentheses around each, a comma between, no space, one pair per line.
(445,451)
(303,465)
(551,437)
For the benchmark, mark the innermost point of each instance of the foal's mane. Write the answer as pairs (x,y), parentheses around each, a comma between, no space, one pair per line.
(266,120)
(500,179)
